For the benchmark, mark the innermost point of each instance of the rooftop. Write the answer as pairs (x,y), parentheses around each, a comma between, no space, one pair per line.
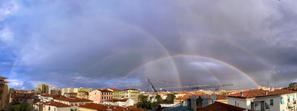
(218,106)
(101,107)
(105,90)
(260,93)
(56,104)
(71,99)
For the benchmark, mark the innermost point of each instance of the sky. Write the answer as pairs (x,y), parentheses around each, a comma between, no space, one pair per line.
(121,43)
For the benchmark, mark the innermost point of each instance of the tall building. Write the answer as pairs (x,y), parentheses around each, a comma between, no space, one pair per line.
(4,93)
(74,90)
(42,89)
(127,94)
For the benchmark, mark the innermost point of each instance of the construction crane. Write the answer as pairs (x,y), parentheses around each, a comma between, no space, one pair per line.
(152,85)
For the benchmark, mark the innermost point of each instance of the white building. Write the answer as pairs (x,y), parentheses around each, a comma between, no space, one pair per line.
(265,100)
(120,102)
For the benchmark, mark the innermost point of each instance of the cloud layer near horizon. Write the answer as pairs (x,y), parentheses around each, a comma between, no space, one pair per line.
(113,42)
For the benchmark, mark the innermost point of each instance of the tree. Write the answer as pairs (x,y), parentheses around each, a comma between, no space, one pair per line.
(21,107)
(199,101)
(142,98)
(170,98)
(146,103)
(159,99)
(293,86)
(143,102)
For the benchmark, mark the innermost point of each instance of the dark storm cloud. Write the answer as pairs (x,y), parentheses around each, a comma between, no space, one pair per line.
(98,42)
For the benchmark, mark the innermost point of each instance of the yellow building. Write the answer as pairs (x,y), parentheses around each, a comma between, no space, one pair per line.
(43,89)
(127,94)
(75,90)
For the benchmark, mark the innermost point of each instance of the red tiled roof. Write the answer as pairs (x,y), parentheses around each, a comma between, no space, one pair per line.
(57,104)
(218,106)
(104,90)
(101,107)
(261,93)
(118,100)
(71,99)
(48,95)
(249,94)
(70,93)
(114,89)
(278,92)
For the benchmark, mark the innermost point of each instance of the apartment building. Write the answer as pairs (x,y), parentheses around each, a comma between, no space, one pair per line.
(126,94)
(101,95)
(265,100)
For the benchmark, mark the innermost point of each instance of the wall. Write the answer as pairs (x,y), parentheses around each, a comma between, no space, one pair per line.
(95,96)
(86,109)
(243,103)
(53,108)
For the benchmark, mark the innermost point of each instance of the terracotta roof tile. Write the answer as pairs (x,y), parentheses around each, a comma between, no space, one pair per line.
(249,93)
(71,99)
(104,90)
(218,106)
(56,104)
(261,93)
(101,107)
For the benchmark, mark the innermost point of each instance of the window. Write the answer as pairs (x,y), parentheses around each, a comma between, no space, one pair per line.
(271,102)
(282,100)
(289,99)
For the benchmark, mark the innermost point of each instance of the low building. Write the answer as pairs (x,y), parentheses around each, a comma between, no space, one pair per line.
(100,107)
(22,96)
(49,102)
(46,97)
(196,101)
(127,94)
(55,106)
(70,94)
(83,94)
(101,95)
(265,100)
(74,90)
(55,92)
(73,101)
(120,102)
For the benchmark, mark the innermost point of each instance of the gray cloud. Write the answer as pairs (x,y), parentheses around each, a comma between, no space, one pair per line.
(101,42)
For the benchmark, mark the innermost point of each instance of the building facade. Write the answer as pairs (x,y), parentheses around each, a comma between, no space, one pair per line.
(43,89)
(101,95)
(265,100)
(127,94)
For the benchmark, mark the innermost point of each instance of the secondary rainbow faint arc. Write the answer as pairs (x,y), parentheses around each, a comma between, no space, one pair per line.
(153,38)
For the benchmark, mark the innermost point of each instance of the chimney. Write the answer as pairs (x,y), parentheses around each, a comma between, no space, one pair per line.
(266,93)
(241,94)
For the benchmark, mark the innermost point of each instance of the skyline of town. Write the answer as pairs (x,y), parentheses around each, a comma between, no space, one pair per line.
(148,55)
(105,44)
